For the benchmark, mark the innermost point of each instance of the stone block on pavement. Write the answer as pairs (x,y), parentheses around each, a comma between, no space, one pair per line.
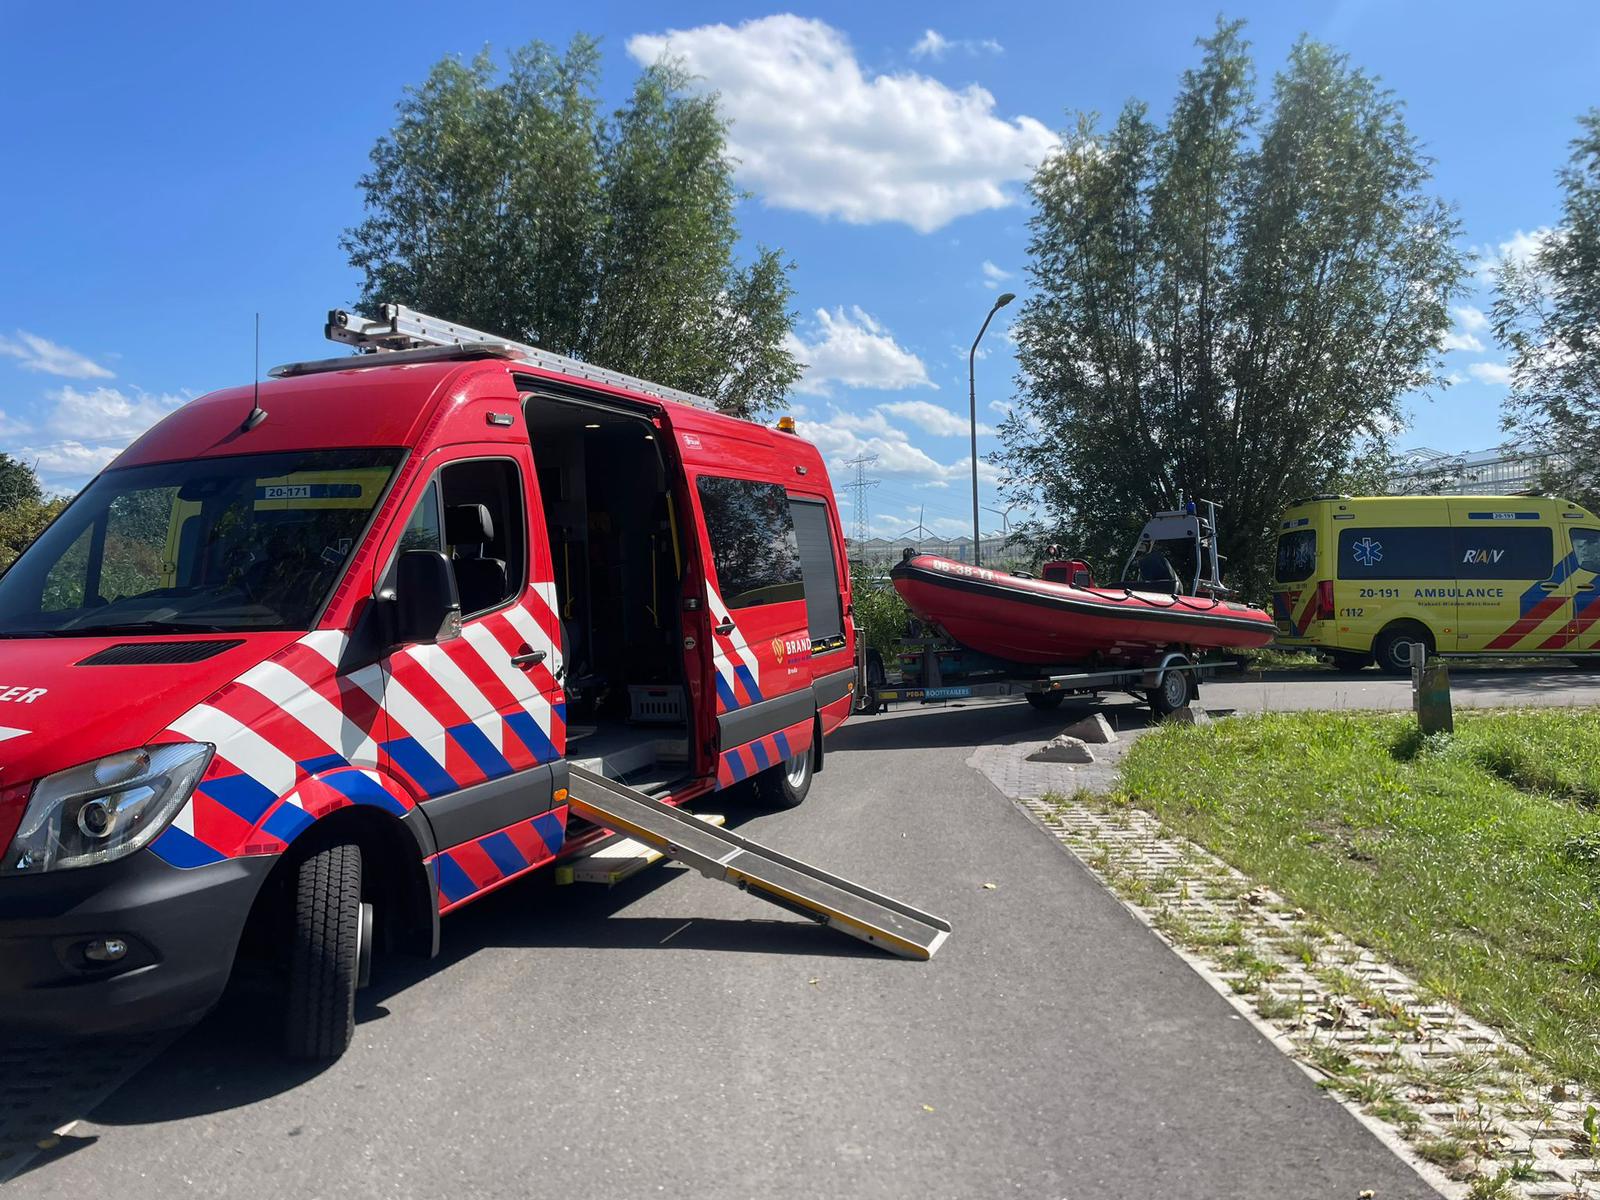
(1094,729)
(1190,715)
(1063,749)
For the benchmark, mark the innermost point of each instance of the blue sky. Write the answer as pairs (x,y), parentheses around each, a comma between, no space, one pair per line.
(172,169)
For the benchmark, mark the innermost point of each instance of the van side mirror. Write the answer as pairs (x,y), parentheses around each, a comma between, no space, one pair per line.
(428,609)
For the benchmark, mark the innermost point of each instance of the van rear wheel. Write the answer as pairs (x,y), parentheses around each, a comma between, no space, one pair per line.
(329,953)
(1393,647)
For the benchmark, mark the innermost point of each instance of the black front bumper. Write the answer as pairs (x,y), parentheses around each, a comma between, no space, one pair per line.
(181,928)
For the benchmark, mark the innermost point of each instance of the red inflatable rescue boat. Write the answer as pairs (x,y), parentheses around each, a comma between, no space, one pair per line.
(1064,618)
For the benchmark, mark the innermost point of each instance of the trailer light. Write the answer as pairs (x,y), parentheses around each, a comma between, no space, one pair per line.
(105,809)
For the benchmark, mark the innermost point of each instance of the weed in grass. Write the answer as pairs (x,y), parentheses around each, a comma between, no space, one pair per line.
(1136,891)
(1397,1113)
(1274,1007)
(1331,1060)
(1303,948)
(1444,1152)
(1255,969)
(1229,933)
(1499,1185)
(1175,925)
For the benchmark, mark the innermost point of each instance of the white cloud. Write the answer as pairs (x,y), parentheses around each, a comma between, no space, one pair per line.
(993,276)
(1518,250)
(1490,372)
(933,44)
(80,431)
(933,418)
(1455,340)
(853,349)
(1471,319)
(813,131)
(40,354)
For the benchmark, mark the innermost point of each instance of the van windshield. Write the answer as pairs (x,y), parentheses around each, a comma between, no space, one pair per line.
(249,542)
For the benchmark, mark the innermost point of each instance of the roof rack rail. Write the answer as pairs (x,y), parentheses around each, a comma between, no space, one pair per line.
(405,335)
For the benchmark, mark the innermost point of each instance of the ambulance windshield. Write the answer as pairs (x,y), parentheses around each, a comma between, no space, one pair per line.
(250,542)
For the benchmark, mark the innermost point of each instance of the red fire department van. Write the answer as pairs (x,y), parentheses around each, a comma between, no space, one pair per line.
(307,668)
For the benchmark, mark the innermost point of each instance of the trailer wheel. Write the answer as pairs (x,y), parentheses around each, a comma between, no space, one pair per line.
(786,784)
(1174,691)
(1045,701)
(329,954)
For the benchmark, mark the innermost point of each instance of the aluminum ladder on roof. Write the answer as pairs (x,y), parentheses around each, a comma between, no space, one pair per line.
(787,882)
(405,335)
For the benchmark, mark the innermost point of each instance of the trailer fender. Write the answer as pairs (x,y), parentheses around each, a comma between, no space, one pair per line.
(1173,658)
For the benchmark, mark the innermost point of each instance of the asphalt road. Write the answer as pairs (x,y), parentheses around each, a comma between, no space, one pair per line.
(1471,686)
(674,1037)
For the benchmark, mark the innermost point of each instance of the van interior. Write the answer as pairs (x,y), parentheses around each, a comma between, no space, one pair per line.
(618,555)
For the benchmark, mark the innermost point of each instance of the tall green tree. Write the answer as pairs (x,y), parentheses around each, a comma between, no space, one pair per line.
(24,510)
(511,202)
(1229,306)
(1547,314)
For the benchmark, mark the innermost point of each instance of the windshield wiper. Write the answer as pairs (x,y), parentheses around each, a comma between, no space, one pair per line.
(132,627)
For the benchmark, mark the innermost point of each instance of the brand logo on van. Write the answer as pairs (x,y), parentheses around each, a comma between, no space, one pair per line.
(19,693)
(796,648)
(1483,556)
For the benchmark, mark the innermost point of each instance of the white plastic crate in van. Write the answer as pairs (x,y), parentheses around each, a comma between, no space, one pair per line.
(655,704)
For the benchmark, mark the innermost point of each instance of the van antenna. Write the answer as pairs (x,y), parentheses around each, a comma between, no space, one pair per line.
(257,413)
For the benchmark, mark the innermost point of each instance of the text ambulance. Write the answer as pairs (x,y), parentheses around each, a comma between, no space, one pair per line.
(1365,578)
(302,671)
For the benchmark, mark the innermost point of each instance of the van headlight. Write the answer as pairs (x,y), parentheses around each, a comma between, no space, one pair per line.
(106,809)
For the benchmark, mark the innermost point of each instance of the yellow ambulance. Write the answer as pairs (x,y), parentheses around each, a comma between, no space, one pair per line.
(1364,577)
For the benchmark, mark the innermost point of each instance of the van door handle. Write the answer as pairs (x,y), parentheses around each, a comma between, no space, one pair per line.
(1549,585)
(724,626)
(531,659)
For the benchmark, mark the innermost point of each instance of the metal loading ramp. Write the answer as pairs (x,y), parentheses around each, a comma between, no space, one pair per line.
(721,854)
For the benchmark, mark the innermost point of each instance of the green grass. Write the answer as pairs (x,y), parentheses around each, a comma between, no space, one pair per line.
(1472,861)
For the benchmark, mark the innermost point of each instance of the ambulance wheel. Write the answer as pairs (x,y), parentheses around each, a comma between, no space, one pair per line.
(1393,647)
(1045,701)
(785,785)
(1174,692)
(1349,660)
(329,954)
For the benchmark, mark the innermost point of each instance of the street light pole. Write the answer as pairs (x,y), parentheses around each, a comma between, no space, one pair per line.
(1001,301)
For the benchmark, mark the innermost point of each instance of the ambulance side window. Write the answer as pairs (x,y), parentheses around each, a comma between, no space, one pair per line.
(1586,546)
(753,545)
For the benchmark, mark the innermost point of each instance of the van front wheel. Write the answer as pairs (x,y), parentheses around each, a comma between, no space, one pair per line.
(1393,647)
(328,954)
(786,784)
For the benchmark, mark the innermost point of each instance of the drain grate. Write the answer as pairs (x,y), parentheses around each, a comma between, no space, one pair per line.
(46,1083)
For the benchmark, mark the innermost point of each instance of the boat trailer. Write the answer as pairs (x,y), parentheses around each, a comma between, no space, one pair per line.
(935,670)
